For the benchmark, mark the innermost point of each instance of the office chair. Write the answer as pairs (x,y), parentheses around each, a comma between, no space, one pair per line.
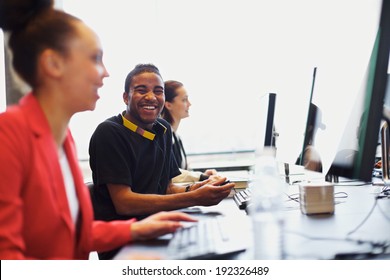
(92,255)
(90,186)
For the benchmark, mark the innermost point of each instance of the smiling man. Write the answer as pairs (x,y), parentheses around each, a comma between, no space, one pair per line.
(132,161)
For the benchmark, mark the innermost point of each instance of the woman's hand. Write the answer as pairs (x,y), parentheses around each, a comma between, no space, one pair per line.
(210,172)
(158,224)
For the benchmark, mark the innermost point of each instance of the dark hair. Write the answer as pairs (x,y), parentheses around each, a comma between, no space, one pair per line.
(170,93)
(34,26)
(139,69)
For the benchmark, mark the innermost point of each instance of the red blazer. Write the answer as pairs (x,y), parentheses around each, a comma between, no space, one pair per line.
(35,220)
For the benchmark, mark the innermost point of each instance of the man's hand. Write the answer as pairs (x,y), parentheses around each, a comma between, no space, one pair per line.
(210,192)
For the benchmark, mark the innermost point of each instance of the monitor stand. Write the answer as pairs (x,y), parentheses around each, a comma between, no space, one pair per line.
(331,178)
(385,138)
(385,148)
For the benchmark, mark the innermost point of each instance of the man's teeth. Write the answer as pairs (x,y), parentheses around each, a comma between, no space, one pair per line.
(149,107)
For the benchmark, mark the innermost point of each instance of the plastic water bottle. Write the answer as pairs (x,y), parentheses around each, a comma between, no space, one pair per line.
(266,211)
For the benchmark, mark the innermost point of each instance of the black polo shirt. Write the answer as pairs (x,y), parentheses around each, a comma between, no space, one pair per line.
(119,155)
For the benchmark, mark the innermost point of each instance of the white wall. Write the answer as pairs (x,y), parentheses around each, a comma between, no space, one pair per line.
(228,53)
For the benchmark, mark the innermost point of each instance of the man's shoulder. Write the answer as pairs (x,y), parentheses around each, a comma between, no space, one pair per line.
(109,125)
(163,126)
(111,122)
(163,122)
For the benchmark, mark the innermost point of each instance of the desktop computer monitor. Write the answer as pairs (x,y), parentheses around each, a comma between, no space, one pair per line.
(270,133)
(265,132)
(309,157)
(382,163)
(355,156)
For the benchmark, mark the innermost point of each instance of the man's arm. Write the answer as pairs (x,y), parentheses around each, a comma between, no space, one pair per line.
(129,203)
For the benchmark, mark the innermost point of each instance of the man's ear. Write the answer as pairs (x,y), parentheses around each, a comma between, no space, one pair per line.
(51,63)
(126,98)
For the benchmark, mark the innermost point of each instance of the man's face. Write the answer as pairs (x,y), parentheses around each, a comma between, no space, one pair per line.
(145,99)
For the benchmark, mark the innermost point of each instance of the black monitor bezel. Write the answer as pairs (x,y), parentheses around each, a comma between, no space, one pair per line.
(269,139)
(364,160)
(310,120)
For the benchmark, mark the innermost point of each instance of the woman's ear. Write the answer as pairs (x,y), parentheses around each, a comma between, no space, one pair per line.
(168,105)
(51,63)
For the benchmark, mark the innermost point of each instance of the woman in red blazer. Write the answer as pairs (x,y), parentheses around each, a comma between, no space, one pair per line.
(45,208)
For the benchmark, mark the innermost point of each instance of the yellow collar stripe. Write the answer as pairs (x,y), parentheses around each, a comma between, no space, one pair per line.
(137,129)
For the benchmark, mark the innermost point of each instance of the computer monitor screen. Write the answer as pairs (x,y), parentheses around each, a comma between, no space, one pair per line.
(355,155)
(265,132)
(387,97)
(269,139)
(309,156)
(382,160)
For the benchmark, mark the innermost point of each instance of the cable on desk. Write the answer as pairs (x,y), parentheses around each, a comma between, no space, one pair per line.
(383,213)
(344,195)
(295,196)
(347,184)
(291,196)
(386,190)
(365,219)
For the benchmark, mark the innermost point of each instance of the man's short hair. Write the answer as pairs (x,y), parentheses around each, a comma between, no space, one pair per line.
(139,69)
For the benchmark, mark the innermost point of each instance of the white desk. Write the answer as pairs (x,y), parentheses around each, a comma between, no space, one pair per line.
(322,236)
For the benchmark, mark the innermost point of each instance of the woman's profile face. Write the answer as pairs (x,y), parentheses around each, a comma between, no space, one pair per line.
(180,105)
(84,70)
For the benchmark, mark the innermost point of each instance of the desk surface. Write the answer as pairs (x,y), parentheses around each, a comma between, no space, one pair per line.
(358,221)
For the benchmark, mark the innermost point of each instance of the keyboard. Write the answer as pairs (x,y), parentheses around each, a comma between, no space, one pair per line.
(206,239)
(242,198)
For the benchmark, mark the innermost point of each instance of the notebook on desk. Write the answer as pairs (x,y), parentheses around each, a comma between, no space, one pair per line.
(241,178)
(220,165)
